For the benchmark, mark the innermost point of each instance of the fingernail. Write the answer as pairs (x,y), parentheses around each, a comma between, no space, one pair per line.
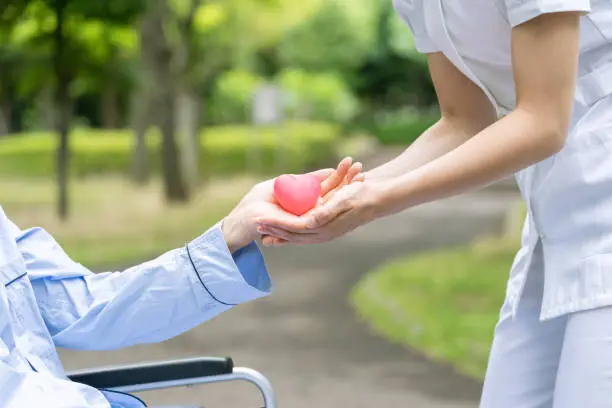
(260,230)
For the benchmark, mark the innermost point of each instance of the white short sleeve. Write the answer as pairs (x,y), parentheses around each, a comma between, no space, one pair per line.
(520,11)
(411,12)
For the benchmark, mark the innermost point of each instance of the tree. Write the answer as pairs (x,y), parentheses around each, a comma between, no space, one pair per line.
(158,54)
(67,58)
(13,61)
(328,41)
(63,78)
(393,74)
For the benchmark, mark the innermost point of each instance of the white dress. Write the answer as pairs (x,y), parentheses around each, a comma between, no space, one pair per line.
(562,275)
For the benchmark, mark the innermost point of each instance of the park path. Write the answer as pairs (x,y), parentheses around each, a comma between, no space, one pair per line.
(308,340)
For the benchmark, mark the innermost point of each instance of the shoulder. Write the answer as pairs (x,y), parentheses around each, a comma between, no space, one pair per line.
(412,13)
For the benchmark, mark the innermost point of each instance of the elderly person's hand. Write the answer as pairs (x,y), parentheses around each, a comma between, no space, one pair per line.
(239,227)
(342,211)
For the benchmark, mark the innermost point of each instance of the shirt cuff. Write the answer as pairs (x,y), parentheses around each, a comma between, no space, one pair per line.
(528,10)
(229,279)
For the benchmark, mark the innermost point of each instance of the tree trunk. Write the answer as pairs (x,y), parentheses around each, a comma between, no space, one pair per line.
(188,129)
(5,118)
(47,109)
(175,187)
(140,124)
(63,104)
(109,108)
(158,56)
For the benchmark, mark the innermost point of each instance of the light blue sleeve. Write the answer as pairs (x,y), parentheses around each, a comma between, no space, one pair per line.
(147,303)
(22,387)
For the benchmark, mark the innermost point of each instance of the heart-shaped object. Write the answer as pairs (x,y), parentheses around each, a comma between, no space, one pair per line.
(297,194)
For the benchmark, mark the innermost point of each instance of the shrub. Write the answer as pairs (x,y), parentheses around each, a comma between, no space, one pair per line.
(224,150)
(308,96)
(232,95)
(322,96)
(401,128)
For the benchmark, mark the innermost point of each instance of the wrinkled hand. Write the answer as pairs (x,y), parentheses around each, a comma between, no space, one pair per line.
(239,227)
(349,207)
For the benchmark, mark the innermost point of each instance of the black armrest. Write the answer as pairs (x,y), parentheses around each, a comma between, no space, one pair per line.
(113,377)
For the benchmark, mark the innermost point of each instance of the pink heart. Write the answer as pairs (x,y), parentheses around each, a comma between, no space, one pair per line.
(297,194)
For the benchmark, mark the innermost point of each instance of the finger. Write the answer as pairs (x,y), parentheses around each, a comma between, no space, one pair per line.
(273,241)
(359,178)
(274,232)
(291,237)
(279,243)
(282,221)
(335,207)
(323,215)
(353,172)
(322,174)
(336,177)
(351,175)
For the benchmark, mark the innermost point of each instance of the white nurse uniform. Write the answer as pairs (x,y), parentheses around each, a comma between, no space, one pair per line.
(553,343)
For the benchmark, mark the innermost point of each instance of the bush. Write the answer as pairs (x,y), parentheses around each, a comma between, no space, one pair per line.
(224,150)
(322,96)
(309,96)
(231,99)
(401,128)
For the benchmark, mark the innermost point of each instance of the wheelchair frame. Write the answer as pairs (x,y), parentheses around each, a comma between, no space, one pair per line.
(176,373)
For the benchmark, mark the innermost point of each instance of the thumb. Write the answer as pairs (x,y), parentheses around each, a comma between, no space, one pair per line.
(325,213)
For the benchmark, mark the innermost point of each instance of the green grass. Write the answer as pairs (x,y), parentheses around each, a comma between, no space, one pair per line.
(444,303)
(223,150)
(114,224)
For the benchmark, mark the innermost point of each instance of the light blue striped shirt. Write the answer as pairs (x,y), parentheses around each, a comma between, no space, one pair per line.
(47,300)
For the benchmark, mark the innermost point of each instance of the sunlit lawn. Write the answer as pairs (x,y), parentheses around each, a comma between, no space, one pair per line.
(114,223)
(444,303)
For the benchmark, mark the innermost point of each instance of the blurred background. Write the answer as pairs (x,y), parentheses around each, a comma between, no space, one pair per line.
(128,127)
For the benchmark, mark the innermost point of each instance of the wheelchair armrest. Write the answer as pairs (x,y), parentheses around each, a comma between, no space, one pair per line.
(122,376)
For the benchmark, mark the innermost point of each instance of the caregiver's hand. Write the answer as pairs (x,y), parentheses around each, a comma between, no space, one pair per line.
(239,227)
(349,207)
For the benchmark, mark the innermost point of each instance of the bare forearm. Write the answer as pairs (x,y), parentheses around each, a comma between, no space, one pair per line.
(443,137)
(513,143)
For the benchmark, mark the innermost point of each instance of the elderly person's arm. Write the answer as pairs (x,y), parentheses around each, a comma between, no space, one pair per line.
(159,299)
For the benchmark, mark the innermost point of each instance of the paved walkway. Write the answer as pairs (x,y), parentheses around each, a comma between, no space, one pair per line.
(307,339)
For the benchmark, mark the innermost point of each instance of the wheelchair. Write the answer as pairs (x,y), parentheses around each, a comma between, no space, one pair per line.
(171,374)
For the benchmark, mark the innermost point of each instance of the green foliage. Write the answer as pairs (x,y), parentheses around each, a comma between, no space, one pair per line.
(231,100)
(390,81)
(309,96)
(401,127)
(328,41)
(224,150)
(322,96)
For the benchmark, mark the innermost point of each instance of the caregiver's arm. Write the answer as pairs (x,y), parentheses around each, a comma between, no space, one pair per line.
(461,118)
(545,57)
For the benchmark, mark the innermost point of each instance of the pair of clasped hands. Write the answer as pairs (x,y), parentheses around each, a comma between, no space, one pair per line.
(301,209)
